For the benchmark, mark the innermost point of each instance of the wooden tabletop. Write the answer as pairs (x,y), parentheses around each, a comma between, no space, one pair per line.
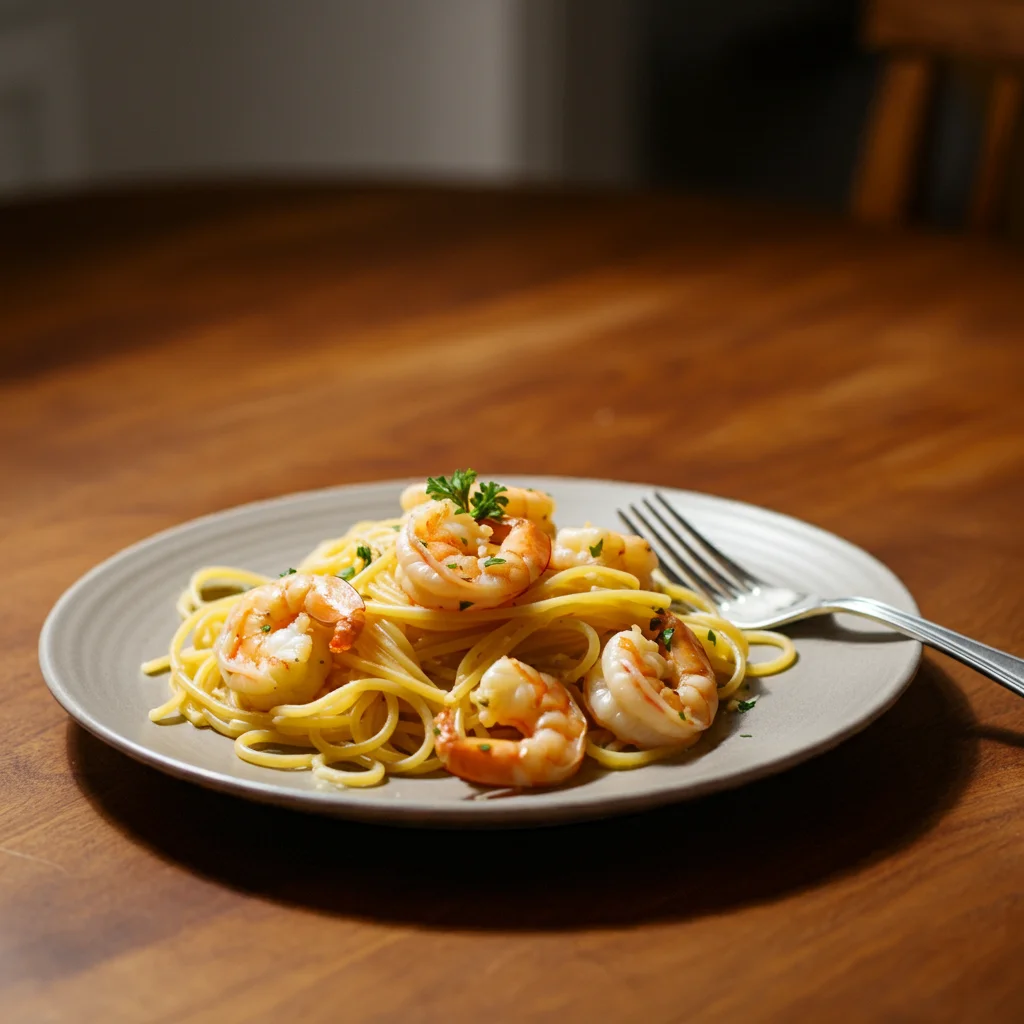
(167,354)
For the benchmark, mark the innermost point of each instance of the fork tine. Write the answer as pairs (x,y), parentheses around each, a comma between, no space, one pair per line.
(742,576)
(664,565)
(686,570)
(707,563)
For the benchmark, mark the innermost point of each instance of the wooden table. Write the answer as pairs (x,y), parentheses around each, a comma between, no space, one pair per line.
(171,353)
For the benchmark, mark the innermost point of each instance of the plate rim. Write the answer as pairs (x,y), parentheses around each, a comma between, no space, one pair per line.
(466,813)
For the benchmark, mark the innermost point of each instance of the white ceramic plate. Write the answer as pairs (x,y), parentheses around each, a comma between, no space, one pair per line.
(122,613)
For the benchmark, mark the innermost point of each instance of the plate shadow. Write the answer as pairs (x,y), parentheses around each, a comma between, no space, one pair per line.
(872,795)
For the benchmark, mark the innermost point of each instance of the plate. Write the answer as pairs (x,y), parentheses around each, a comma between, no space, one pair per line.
(122,613)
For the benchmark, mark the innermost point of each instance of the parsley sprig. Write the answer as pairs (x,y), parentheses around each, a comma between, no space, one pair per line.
(488,502)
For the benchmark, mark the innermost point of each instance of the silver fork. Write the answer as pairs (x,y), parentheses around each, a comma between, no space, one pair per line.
(689,559)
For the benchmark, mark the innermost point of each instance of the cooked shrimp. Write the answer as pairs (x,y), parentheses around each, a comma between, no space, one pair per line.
(447,560)
(523,503)
(591,545)
(515,694)
(653,693)
(275,647)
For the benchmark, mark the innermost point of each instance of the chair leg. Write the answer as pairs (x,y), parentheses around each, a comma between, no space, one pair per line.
(885,177)
(1004,104)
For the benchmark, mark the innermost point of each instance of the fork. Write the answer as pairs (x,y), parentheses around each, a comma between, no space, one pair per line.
(690,560)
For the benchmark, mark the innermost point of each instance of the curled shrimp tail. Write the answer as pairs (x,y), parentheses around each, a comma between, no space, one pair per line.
(333,603)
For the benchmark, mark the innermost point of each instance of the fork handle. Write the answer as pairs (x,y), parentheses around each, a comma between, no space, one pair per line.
(998,665)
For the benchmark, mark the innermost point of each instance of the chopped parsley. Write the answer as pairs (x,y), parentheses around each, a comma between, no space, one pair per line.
(364,553)
(452,565)
(347,573)
(287,572)
(265,627)
(595,549)
(746,735)
(437,732)
(682,715)
(711,636)
(396,527)
(485,748)
(666,637)
(746,705)
(463,605)
(488,562)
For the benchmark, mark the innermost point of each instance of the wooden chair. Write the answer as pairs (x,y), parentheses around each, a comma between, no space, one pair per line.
(917,35)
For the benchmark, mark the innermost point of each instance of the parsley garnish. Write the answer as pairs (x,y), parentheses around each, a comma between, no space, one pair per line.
(437,732)
(396,527)
(287,572)
(666,637)
(347,574)
(485,748)
(364,553)
(682,715)
(488,562)
(463,605)
(746,705)
(489,502)
(746,735)
(595,549)
(265,627)
(456,489)
(711,636)
(452,565)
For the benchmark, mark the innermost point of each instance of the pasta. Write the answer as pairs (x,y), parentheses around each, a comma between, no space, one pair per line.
(368,659)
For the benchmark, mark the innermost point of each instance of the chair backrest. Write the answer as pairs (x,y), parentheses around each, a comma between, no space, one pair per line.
(917,36)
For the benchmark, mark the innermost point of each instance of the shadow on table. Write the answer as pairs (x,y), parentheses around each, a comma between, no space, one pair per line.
(875,793)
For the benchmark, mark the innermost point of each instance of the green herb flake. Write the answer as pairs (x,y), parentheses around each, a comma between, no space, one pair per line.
(437,732)
(396,527)
(485,748)
(463,605)
(364,553)
(287,572)
(595,549)
(493,561)
(711,636)
(746,705)
(746,736)
(452,565)
(682,715)
(347,574)
(265,627)
(666,637)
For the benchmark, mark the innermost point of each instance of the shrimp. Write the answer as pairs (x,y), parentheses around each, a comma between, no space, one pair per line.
(591,545)
(515,694)
(446,559)
(276,644)
(653,693)
(523,503)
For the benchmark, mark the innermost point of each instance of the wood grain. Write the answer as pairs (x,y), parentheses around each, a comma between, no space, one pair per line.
(172,353)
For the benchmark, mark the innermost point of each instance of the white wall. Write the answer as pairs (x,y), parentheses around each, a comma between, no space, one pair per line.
(491,89)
